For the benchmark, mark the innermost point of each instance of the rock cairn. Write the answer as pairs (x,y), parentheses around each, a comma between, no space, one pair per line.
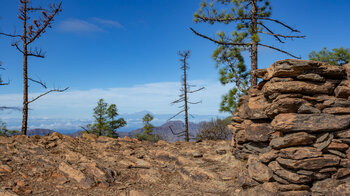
(294,129)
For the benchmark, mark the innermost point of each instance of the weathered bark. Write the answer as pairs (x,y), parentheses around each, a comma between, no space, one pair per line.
(254,46)
(187,137)
(25,71)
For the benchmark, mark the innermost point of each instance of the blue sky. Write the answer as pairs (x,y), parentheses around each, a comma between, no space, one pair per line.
(126,52)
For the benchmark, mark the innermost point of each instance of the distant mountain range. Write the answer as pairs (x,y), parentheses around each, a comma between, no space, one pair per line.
(163,131)
(40,132)
(134,121)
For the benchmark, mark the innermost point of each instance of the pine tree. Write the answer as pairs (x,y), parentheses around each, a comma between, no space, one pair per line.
(105,123)
(100,115)
(250,17)
(114,124)
(232,70)
(338,56)
(147,130)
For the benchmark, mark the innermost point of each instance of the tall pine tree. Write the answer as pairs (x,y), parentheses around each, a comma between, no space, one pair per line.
(251,17)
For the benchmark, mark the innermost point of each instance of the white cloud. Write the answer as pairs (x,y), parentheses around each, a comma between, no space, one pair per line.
(77,105)
(91,25)
(105,22)
(77,25)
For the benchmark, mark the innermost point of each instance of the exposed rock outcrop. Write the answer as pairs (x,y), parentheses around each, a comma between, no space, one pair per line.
(296,122)
(91,165)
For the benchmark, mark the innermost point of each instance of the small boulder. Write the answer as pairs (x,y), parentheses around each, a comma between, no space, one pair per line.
(76,175)
(310,163)
(288,175)
(343,89)
(311,77)
(337,146)
(258,171)
(299,153)
(268,156)
(294,139)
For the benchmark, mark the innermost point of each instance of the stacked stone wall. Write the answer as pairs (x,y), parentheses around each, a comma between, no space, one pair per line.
(294,129)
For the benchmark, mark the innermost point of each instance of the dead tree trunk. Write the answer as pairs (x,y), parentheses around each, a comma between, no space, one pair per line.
(31,32)
(187,137)
(185,91)
(25,70)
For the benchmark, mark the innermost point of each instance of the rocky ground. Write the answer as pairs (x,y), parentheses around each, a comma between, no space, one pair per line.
(62,165)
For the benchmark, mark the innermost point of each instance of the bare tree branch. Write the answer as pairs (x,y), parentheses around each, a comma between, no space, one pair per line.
(4,84)
(17,47)
(196,90)
(219,42)
(84,128)
(10,35)
(278,35)
(176,115)
(46,23)
(271,33)
(37,53)
(38,82)
(50,91)
(217,19)
(179,134)
(178,101)
(279,50)
(10,108)
(194,102)
(36,9)
(281,23)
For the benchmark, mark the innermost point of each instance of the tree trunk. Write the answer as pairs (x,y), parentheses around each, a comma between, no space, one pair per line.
(25,72)
(254,46)
(187,138)
(25,92)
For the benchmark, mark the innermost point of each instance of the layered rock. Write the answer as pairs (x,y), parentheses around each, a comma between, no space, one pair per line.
(294,128)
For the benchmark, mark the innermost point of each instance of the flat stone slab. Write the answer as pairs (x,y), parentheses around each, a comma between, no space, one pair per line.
(310,163)
(294,139)
(302,87)
(295,68)
(300,153)
(288,175)
(310,122)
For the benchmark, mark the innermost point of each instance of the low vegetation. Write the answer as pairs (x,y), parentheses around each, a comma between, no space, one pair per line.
(337,56)
(147,130)
(6,132)
(216,129)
